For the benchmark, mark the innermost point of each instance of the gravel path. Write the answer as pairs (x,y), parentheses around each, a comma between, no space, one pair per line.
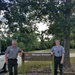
(72,55)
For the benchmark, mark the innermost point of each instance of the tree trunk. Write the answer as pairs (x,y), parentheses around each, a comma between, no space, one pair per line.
(67,42)
(67,34)
(67,52)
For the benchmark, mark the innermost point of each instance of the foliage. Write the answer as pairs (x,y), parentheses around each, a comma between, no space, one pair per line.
(27,41)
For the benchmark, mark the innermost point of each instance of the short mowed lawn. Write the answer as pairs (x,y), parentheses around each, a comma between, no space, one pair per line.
(48,50)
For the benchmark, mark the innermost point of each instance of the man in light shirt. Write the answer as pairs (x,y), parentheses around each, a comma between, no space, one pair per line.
(58,52)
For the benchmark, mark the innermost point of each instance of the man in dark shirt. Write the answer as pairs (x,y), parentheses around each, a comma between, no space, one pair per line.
(11,54)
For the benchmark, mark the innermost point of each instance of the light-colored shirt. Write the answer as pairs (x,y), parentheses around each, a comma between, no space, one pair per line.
(58,50)
(13,52)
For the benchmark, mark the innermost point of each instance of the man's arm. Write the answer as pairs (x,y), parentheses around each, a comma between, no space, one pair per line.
(63,54)
(62,60)
(6,55)
(21,53)
(6,58)
(51,52)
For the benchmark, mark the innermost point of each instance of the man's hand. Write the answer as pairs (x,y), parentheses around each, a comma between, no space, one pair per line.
(6,61)
(21,54)
(51,53)
(6,58)
(61,62)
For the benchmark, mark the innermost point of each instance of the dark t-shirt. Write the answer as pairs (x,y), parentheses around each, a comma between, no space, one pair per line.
(13,52)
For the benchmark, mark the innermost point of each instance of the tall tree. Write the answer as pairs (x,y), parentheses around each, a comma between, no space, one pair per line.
(20,24)
(3,5)
(58,16)
(60,19)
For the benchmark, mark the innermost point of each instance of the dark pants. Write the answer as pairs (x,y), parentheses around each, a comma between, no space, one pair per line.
(57,63)
(12,63)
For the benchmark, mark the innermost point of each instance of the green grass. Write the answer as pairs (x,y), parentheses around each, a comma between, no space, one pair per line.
(48,50)
(72,50)
(34,65)
(72,60)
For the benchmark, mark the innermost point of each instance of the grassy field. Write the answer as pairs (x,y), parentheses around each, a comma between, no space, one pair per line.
(72,50)
(48,50)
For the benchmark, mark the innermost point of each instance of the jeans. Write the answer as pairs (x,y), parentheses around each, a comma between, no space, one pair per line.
(57,63)
(12,64)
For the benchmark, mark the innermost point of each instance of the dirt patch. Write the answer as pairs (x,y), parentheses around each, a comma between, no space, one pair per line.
(69,69)
(39,70)
(49,69)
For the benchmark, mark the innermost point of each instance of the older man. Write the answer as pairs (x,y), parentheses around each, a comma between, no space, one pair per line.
(11,57)
(58,52)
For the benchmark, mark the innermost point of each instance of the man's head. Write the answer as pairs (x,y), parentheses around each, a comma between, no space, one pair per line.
(14,43)
(57,42)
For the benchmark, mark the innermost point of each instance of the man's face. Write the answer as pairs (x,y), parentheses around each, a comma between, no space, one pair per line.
(57,42)
(14,43)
